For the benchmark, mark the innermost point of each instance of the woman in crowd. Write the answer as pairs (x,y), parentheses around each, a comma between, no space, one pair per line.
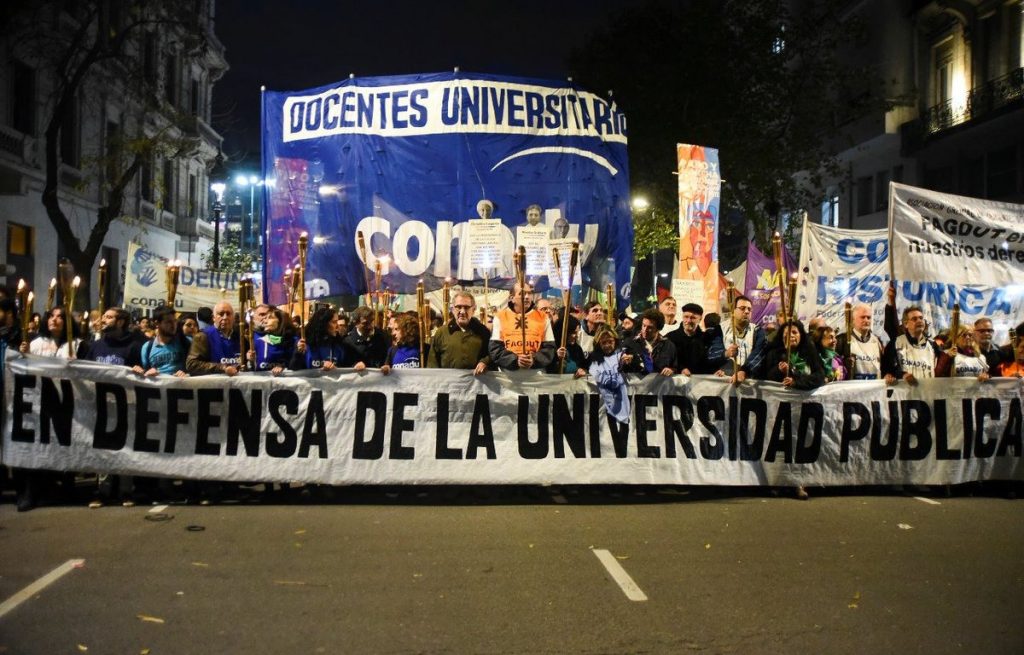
(575,358)
(188,325)
(793,360)
(605,365)
(405,352)
(275,343)
(53,334)
(963,361)
(30,485)
(324,344)
(831,362)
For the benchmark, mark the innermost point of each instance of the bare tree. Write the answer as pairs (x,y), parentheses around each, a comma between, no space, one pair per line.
(91,51)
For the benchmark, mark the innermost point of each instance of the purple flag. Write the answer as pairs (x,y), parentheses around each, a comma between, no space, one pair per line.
(762,283)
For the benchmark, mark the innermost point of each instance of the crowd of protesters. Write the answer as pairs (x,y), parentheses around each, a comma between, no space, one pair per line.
(525,334)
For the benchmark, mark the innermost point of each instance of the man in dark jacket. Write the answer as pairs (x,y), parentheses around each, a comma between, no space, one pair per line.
(116,345)
(652,352)
(367,344)
(462,343)
(691,343)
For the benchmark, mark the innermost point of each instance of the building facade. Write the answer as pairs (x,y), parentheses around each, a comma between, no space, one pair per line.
(953,74)
(138,118)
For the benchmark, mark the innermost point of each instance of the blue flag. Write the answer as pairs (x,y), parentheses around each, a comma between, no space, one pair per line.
(419,164)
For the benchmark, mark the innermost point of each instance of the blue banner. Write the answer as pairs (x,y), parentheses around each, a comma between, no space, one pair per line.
(409,161)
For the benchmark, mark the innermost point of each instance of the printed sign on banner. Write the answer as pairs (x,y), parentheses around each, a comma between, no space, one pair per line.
(450,427)
(535,240)
(560,277)
(484,246)
(966,241)
(407,160)
(687,291)
(145,284)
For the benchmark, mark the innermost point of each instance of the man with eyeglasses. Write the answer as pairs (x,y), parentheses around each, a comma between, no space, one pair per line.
(911,356)
(745,344)
(983,334)
(462,343)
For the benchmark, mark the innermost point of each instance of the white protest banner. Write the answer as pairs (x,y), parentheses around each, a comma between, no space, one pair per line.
(145,284)
(839,266)
(966,241)
(443,426)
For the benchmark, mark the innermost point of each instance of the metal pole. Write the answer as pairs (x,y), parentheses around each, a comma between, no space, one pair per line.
(252,210)
(654,276)
(216,234)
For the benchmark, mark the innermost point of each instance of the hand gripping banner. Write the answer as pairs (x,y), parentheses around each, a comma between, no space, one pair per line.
(422,164)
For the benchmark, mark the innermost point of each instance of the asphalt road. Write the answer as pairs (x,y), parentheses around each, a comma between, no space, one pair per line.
(414,570)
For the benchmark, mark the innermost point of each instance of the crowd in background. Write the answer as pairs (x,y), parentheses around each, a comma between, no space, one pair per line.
(528,333)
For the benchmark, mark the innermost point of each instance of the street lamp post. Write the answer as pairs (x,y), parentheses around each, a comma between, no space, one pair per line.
(218,177)
(252,181)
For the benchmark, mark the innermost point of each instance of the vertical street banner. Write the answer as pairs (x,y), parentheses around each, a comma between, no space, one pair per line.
(145,284)
(762,283)
(700,193)
(409,161)
(959,250)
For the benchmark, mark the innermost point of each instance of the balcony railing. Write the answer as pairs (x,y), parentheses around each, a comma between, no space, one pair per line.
(982,100)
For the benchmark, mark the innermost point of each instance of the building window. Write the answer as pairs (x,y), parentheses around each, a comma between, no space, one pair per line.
(146,180)
(113,153)
(1002,173)
(23,94)
(195,99)
(19,240)
(171,80)
(864,196)
(168,186)
(149,58)
(71,136)
(943,81)
(830,210)
(193,195)
(20,248)
(881,191)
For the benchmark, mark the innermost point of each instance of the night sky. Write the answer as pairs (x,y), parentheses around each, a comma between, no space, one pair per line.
(297,45)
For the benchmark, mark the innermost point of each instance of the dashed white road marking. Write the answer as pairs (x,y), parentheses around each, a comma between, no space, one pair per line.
(619,575)
(39,585)
(157,509)
(927,500)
